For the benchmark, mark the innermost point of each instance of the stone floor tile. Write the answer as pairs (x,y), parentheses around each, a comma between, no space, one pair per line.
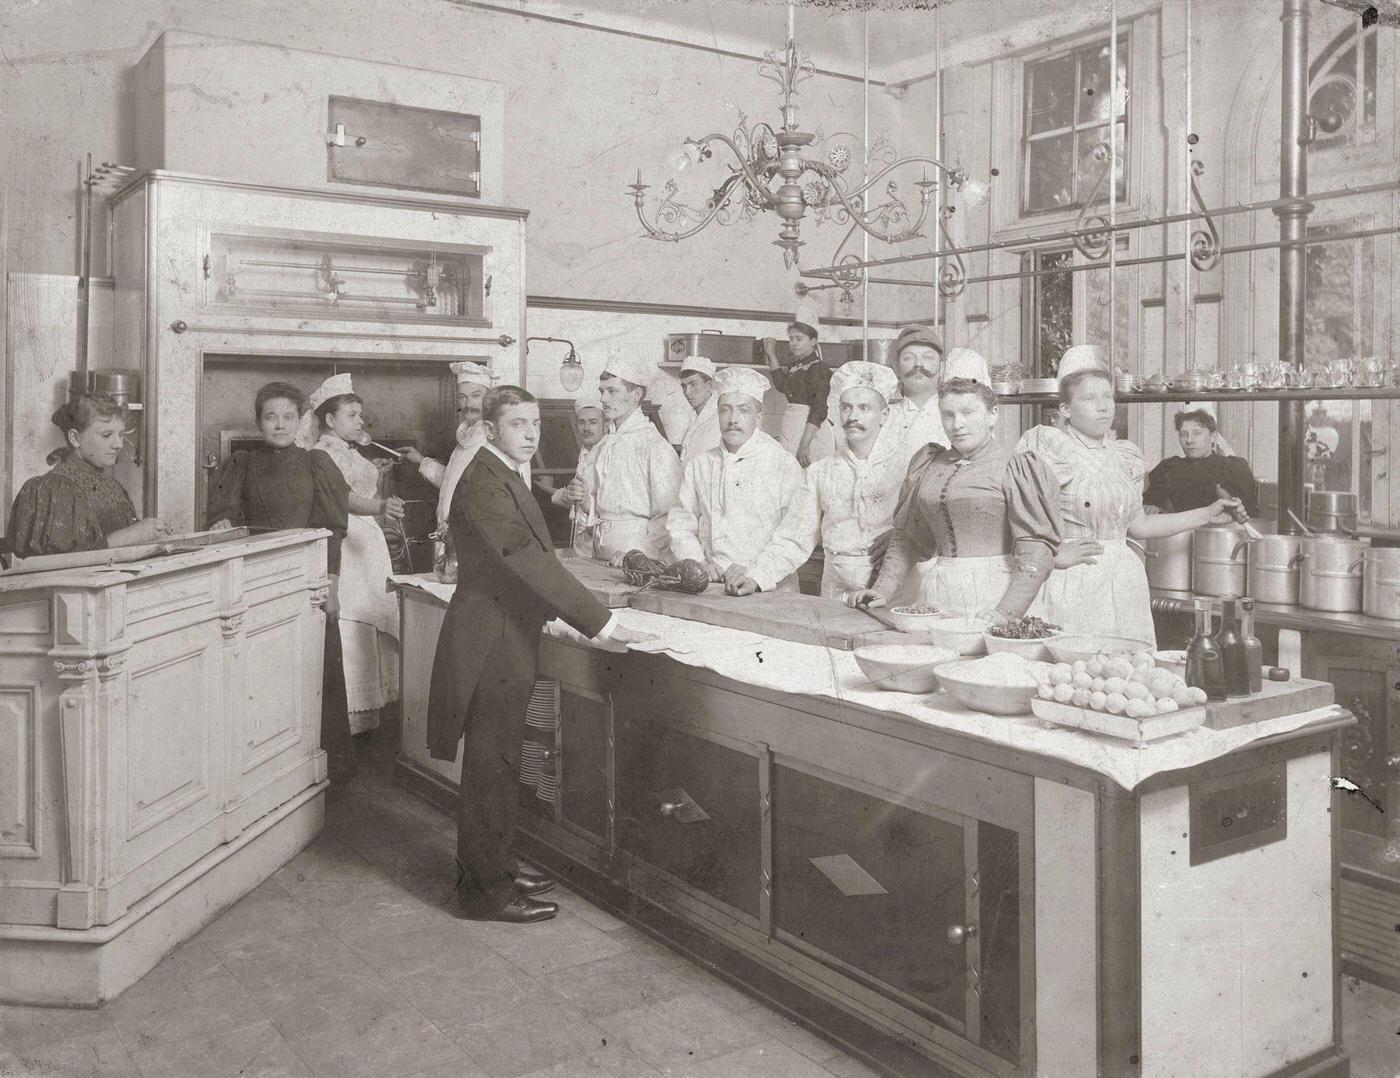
(550,945)
(620,983)
(767,1059)
(365,911)
(383,1046)
(256,1052)
(1371,1029)
(784,1029)
(580,907)
(610,1062)
(442,946)
(536,1033)
(326,863)
(252,915)
(335,1002)
(34,1027)
(682,1031)
(387,825)
(463,1068)
(270,960)
(455,994)
(93,1053)
(159,1011)
(843,1066)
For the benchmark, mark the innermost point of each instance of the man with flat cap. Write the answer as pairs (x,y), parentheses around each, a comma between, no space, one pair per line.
(914,420)
(740,505)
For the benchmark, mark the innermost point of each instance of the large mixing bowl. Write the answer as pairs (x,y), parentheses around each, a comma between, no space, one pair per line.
(963,635)
(963,683)
(903,667)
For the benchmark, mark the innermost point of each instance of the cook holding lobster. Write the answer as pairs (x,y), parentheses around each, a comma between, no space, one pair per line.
(740,505)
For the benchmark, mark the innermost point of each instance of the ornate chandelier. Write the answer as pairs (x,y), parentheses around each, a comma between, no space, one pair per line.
(770,172)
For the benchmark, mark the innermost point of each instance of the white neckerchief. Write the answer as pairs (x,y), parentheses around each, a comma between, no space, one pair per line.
(467,433)
(522,470)
(719,498)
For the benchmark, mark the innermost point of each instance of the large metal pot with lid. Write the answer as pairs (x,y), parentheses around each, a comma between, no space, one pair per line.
(1380,584)
(1273,569)
(1169,563)
(1332,511)
(1330,574)
(1218,562)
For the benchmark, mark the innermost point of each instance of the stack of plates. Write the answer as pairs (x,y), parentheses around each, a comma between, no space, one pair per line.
(1039,385)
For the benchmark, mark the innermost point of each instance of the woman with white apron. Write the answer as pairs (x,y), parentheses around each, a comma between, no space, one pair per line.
(369,615)
(805,382)
(856,488)
(988,519)
(1104,588)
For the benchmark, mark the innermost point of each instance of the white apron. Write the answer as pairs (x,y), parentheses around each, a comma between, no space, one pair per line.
(961,587)
(1110,598)
(845,574)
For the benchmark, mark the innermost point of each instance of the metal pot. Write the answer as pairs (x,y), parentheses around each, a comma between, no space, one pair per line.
(872,351)
(1273,569)
(1169,563)
(1332,511)
(723,348)
(122,385)
(1329,574)
(1380,585)
(1218,563)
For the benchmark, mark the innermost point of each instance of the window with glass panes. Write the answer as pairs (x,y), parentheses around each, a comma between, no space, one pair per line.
(1069,110)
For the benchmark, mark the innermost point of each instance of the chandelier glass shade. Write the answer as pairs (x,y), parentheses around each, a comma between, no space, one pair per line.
(776,169)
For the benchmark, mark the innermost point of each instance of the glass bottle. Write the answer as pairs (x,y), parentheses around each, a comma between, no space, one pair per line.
(1204,668)
(1253,649)
(1227,639)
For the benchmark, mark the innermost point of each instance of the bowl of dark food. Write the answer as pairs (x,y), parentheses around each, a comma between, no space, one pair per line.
(914,619)
(1026,637)
(1070,649)
(903,667)
(1000,684)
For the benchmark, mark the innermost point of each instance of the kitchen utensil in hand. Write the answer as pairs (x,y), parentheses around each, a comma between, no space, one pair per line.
(887,622)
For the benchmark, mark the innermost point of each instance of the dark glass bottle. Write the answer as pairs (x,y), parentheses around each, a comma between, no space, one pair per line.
(1253,650)
(1227,639)
(1204,667)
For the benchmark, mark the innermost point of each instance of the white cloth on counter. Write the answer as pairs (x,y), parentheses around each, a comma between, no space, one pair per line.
(807,670)
(637,475)
(748,508)
(856,500)
(703,433)
(470,438)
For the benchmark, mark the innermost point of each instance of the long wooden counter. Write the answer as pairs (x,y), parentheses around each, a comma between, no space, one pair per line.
(938,902)
(159,753)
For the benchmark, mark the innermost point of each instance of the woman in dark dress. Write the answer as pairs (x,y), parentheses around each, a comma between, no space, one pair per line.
(806,381)
(1189,481)
(77,505)
(281,485)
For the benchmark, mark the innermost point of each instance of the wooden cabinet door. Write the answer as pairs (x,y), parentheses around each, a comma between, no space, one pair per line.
(689,806)
(923,907)
(584,766)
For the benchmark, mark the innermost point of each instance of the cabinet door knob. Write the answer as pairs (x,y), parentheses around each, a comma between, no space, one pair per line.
(549,754)
(178,326)
(961,933)
(670,808)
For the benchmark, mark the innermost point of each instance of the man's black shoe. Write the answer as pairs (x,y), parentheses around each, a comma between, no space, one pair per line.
(531,881)
(520,910)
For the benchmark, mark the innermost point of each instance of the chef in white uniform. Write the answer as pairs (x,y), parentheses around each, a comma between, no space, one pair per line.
(637,472)
(855,490)
(698,385)
(473,380)
(581,495)
(914,419)
(741,507)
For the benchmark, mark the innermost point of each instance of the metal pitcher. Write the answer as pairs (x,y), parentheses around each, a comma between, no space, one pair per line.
(1380,583)
(1273,569)
(1329,575)
(1218,563)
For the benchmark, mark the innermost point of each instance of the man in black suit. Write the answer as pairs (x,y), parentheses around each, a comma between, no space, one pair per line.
(509,584)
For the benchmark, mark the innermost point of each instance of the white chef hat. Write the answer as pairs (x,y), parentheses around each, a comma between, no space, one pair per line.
(858,372)
(631,368)
(744,380)
(337,385)
(966,363)
(468,371)
(1081,357)
(806,317)
(580,403)
(698,365)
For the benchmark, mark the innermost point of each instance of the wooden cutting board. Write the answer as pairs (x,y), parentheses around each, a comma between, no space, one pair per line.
(1274,700)
(783,615)
(602,580)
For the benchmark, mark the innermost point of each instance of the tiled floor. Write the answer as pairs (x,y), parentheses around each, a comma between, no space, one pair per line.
(343,966)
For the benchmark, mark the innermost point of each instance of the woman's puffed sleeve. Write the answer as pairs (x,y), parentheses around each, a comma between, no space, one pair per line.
(1240,482)
(1132,461)
(818,389)
(1033,516)
(226,492)
(1158,494)
(1052,446)
(330,504)
(51,517)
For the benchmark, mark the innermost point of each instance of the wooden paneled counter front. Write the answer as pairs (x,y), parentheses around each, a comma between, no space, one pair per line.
(159,753)
(941,901)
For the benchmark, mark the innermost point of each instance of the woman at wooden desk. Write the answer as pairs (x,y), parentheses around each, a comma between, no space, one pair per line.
(77,505)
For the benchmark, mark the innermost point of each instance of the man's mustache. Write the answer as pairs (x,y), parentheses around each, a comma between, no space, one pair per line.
(854,426)
(921,370)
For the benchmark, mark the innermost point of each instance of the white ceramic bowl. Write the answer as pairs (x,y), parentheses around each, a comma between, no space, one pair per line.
(903,667)
(1175,661)
(912,623)
(961,682)
(963,635)
(1068,649)
(1036,649)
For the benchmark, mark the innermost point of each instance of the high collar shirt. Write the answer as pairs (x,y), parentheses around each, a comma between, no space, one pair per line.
(914,426)
(749,508)
(637,476)
(522,470)
(703,433)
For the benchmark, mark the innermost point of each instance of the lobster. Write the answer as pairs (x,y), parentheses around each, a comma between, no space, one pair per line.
(644,572)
